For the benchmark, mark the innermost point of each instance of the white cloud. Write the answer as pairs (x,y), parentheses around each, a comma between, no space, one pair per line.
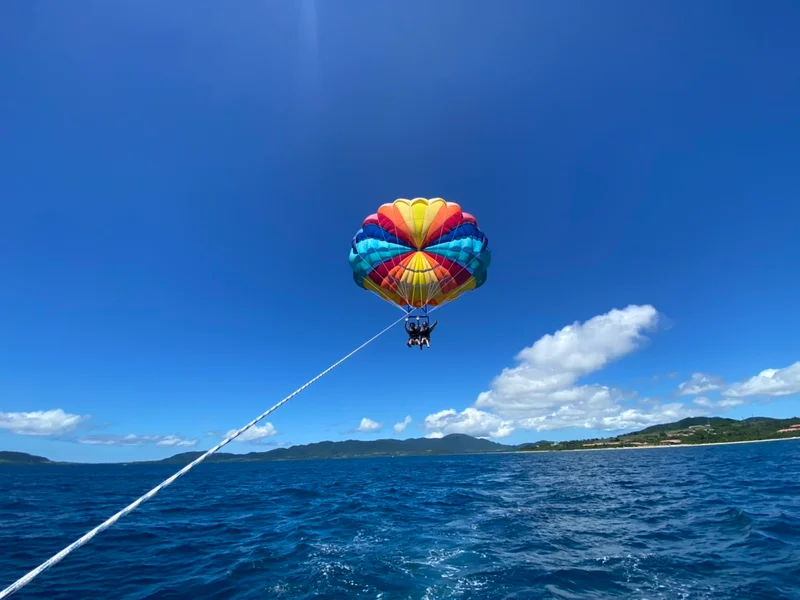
(369,425)
(730,402)
(40,422)
(471,421)
(611,418)
(725,403)
(541,392)
(133,439)
(255,433)
(700,383)
(579,349)
(174,440)
(770,382)
(401,426)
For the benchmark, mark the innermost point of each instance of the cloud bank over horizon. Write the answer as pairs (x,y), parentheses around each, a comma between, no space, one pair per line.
(163,441)
(542,391)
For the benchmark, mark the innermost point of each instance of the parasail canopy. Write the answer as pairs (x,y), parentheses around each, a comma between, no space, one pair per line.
(419,253)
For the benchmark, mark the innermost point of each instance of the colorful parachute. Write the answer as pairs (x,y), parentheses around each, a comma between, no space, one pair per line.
(419,253)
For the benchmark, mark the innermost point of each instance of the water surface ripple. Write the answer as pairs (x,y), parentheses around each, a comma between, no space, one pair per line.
(714,522)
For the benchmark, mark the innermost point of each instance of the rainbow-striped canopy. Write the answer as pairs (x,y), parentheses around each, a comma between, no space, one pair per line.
(420,252)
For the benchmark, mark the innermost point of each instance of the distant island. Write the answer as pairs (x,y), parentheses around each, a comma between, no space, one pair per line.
(456,443)
(687,432)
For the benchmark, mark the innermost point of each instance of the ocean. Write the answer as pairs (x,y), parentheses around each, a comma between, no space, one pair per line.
(706,522)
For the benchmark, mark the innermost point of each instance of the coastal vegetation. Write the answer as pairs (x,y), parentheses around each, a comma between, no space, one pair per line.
(450,444)
(687,432)
(21,458)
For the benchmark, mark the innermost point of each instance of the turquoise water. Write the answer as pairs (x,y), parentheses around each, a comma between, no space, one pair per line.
(714,522)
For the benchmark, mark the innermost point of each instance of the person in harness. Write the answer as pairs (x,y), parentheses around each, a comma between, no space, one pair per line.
(425,334)
(413,333)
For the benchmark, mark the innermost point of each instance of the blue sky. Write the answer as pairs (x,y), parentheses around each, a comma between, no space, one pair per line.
(180,186)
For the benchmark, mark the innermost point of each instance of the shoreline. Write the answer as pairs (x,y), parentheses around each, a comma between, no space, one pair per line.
(422,455)
(655,447)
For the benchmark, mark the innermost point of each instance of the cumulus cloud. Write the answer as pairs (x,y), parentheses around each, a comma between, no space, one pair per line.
(133,439)
(255,434)
(700,383)
(368,425)
(401,426)
(614,418)
(41,422)
(542,391)
(471,421)
(174,440)
(770,382)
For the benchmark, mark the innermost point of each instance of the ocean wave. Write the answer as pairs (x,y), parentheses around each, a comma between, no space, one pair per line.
(719,523)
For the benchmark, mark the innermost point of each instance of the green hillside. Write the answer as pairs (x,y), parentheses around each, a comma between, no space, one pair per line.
(450,444)
(21,458)
(691,431)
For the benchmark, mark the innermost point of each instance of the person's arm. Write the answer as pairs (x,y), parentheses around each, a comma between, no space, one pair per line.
(433,326)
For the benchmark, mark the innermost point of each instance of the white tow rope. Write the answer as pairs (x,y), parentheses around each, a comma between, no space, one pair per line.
(20,583)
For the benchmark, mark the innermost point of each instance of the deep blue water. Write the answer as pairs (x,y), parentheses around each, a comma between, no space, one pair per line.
(713,522)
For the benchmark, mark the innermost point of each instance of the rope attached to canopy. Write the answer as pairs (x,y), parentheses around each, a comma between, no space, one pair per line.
(23,581)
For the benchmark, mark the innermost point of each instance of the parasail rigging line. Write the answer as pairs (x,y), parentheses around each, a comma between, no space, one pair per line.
(24,580)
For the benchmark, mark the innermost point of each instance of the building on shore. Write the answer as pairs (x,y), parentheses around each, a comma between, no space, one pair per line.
(600,444)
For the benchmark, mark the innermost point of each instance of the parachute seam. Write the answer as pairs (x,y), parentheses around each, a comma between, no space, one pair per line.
(415,248)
